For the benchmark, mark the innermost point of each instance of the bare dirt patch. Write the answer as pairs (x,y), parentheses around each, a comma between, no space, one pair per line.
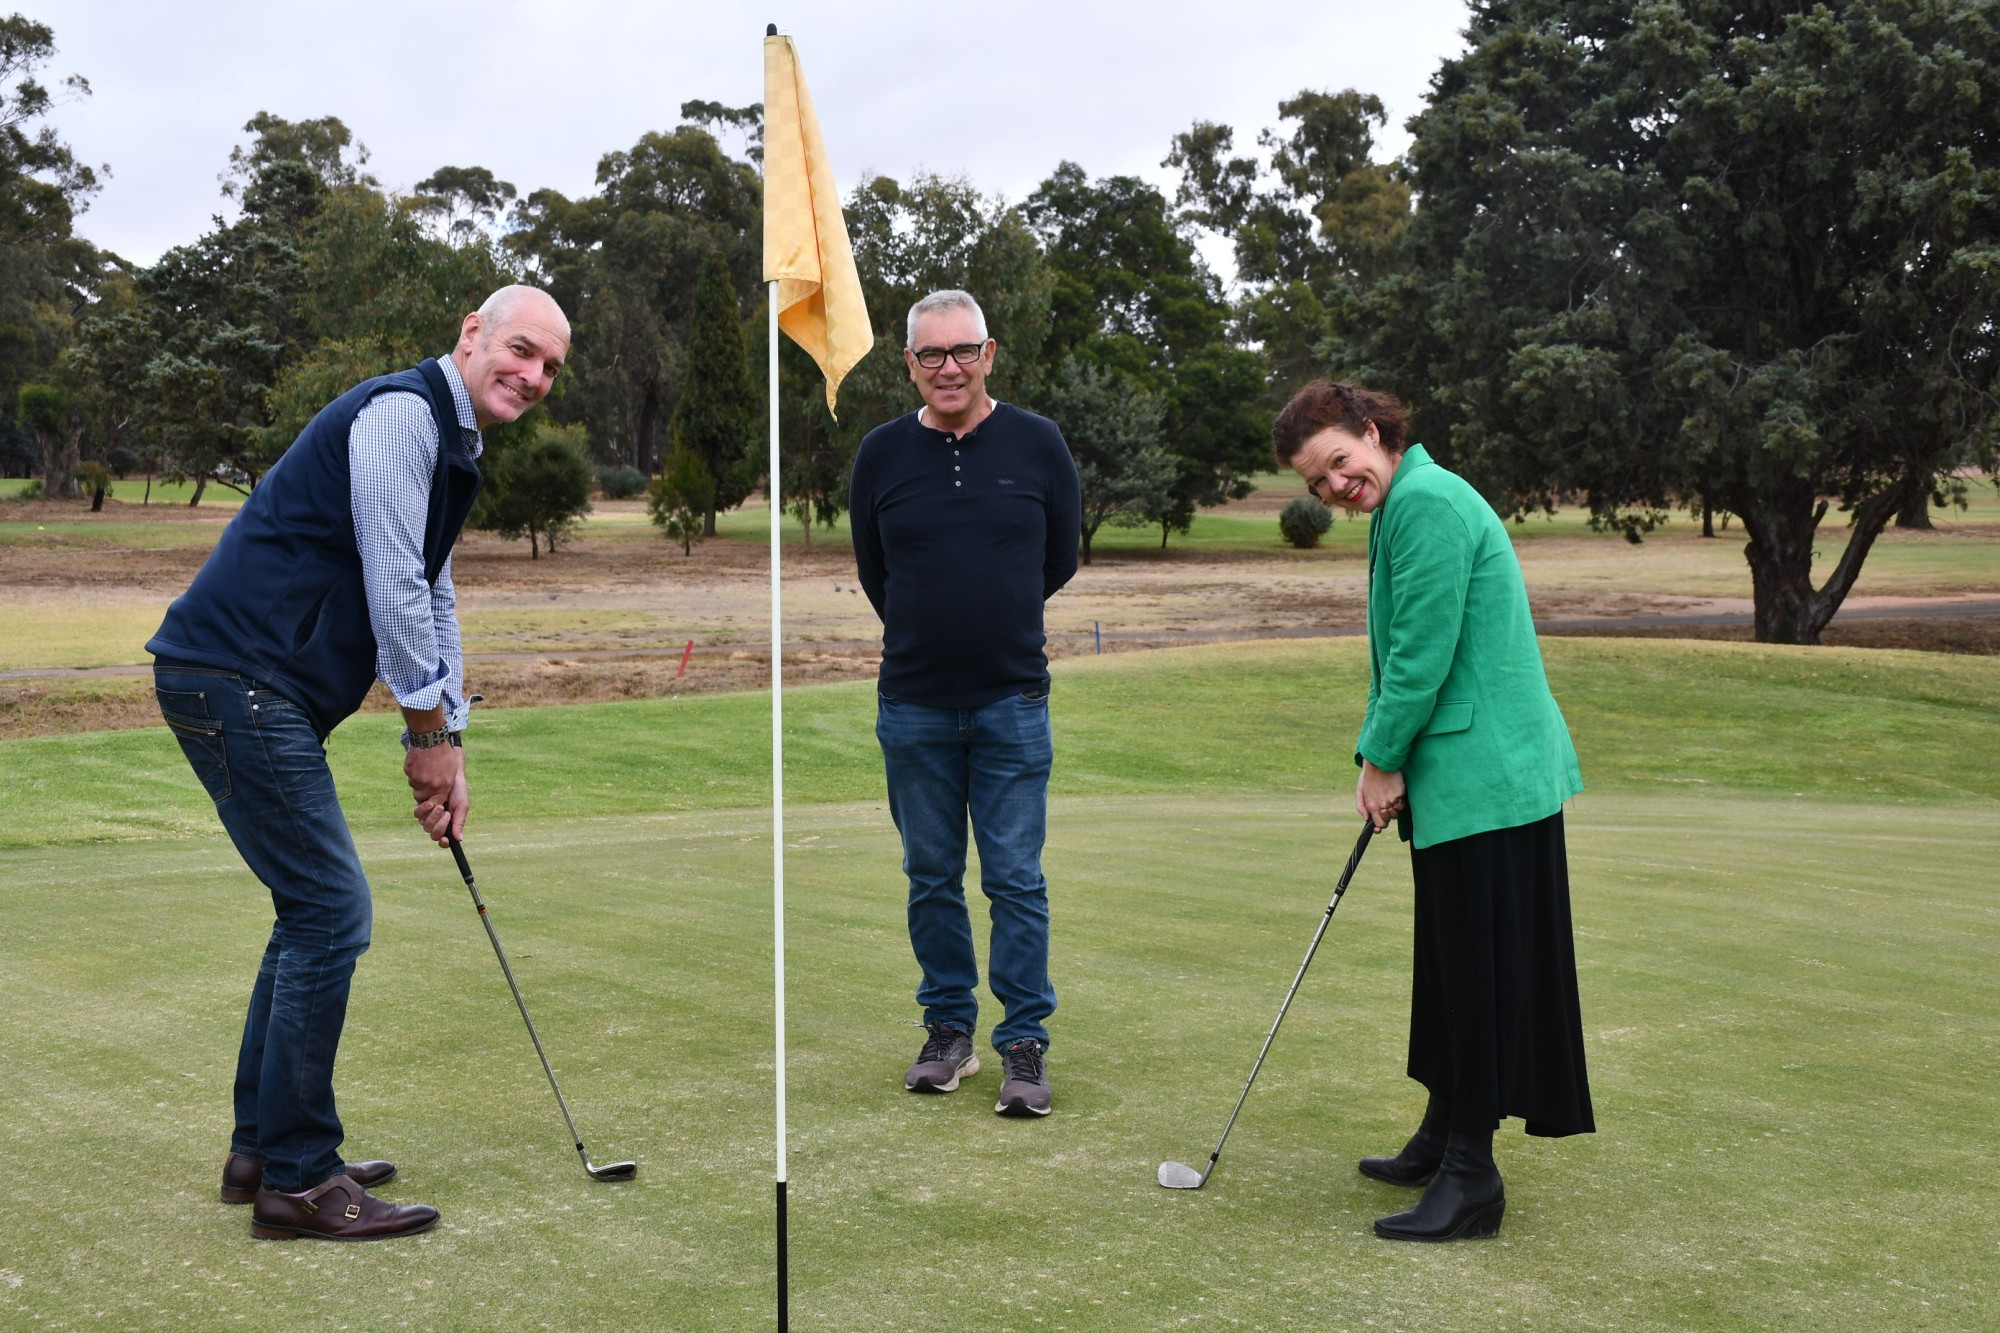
(610,614)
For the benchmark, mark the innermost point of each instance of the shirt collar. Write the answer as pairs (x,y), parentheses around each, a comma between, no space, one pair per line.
(997,405)
(461,401)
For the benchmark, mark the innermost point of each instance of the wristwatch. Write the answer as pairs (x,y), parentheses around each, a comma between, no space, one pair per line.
(429,740)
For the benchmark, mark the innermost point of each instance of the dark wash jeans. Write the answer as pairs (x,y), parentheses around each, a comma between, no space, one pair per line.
(991,763)
(260,759)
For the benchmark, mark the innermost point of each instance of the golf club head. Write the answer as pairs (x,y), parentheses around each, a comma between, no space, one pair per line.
(1180,1176)
(611,1170)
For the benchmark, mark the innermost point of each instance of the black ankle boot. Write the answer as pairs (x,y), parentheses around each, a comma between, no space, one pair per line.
(1418,1161)
(1465,1200)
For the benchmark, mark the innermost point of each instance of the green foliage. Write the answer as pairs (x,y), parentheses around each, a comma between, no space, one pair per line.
(1113,427)
(1312,229)
(624,264)
(462,201)
(94,481)
(1304,520)
(44,410)
(1132,295)
(619,482)
(320,146)
(43,407)
(539,487)
(42,185)
(105,371)
(716,420)
(1741,257)
(681,498)
(48,274)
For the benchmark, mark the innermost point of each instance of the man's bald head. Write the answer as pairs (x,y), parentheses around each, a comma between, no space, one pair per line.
(509,351)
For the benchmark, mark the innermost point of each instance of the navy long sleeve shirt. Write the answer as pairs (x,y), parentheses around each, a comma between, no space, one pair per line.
(958,541)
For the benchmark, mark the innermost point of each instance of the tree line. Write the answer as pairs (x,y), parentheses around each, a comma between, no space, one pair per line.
(1676,257)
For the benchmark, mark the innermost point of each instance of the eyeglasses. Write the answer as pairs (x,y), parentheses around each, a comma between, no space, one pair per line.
(930,358)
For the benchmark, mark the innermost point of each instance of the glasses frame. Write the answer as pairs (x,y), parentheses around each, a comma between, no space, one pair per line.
(933,358)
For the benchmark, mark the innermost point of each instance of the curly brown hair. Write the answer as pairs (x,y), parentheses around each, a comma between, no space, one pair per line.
(1326,404)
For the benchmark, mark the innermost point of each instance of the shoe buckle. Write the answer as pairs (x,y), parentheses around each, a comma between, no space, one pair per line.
(309,1205)
(353,1211)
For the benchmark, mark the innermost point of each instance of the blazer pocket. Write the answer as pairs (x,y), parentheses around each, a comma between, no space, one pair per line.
(1448,715)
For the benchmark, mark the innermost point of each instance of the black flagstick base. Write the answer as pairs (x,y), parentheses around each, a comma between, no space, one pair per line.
(784,1268)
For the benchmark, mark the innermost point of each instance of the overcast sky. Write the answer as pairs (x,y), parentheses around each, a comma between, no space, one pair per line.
(537,92)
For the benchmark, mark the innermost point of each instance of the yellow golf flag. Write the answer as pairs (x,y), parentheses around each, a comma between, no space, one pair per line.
(805,239)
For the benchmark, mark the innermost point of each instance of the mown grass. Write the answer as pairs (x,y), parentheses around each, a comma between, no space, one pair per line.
(1648,716)
(1785,928)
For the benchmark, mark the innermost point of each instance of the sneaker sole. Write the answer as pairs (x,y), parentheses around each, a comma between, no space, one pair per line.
(1018,1107)
(966,1070)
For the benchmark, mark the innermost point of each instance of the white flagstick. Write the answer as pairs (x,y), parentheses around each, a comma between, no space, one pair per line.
(778,810)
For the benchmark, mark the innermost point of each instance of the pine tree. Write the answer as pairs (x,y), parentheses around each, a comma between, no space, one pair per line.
(717,416)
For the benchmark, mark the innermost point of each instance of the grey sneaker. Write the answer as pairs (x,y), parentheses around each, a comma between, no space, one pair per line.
(947,1056)
(1025,1088)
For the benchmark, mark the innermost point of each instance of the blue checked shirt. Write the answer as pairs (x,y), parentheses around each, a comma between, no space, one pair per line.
(392,455)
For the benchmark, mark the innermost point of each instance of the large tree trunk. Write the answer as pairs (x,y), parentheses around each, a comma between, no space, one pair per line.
(645,458)
(200,485)
(1789,609)
(60,458)
(1916,511)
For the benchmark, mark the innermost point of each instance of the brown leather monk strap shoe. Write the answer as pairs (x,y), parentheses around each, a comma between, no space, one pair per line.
(336,1209)
(243,1176)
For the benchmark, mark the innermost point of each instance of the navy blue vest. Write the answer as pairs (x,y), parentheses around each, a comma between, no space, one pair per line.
(280,599)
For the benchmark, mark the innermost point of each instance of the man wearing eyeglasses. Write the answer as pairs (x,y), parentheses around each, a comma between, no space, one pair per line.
(966,516)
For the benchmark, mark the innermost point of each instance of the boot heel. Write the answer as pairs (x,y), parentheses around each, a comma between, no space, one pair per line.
(262,1232)
(1486,1224)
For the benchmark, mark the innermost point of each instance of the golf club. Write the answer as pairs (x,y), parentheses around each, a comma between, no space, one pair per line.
(608,1171)
(1179,1175)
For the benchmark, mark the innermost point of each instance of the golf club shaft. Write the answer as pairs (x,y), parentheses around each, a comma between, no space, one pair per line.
(1353,860)
(465,869)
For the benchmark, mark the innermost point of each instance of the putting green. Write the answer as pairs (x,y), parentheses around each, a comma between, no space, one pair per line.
(1787,1004)
(1785,929)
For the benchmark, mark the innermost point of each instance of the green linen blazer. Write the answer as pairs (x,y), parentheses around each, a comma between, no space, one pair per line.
(1457,698)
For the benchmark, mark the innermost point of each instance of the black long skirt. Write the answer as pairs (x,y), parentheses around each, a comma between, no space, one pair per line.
(1496,1029)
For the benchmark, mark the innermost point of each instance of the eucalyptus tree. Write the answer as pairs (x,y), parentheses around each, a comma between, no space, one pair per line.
(1740,255)
(716,419)
(624,263)
(1132,295)
(1312,221)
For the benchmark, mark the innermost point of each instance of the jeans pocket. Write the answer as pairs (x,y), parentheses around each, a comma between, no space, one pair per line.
(201,739)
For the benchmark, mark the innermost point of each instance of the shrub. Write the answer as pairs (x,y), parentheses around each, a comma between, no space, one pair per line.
(539,487)
(619,482)
(1304,521)
(681,495)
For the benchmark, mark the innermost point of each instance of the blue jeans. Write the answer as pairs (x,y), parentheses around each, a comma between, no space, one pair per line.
(265,767)
(993,764)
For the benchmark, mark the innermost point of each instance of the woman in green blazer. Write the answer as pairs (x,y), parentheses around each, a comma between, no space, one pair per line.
(1464,747)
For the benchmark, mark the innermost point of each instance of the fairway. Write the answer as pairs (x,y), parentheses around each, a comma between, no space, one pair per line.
(1786,986)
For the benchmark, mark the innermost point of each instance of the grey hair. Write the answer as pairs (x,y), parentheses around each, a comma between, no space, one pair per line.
(502,305)
(949,299)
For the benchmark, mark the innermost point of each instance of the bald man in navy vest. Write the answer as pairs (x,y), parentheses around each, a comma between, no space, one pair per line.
(337,572)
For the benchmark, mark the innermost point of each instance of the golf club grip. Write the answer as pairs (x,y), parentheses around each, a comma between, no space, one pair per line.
(458,855)
(1360,846)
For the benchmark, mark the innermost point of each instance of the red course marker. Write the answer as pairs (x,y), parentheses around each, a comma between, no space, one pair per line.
(686,653)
